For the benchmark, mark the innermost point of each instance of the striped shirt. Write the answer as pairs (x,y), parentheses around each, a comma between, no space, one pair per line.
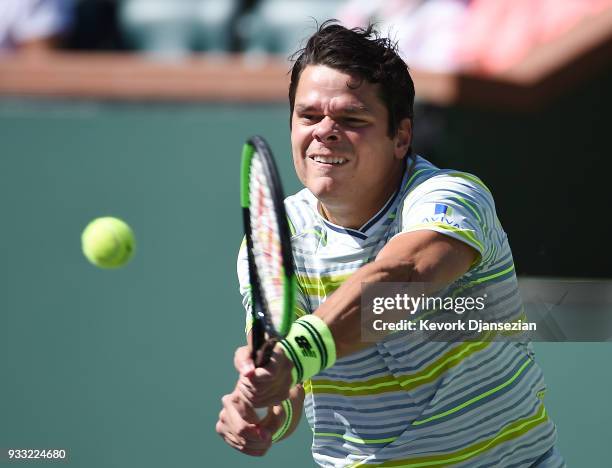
(406,403)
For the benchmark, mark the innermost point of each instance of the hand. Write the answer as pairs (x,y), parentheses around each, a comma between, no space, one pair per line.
(263,386)
(239,427)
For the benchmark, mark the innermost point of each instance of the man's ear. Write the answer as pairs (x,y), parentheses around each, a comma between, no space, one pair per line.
(403,138)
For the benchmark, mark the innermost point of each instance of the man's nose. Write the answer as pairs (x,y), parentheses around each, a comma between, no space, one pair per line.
(326,130)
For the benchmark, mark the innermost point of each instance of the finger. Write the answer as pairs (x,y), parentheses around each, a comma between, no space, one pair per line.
(259,380)
(255,452)
(255,385)
(226,434)
(254,439)
(274,419)
(237,411)
(267,397)
(243,405)
(232,441)
(269,375)
(243,440)
(265,436)
(246,431)
(264,393)
(243,362)
(255,396)
(247,392)
(262,375)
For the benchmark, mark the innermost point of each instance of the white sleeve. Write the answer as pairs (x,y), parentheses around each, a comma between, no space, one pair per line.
(39,19)
(245,288)
(244,284)
(459,206)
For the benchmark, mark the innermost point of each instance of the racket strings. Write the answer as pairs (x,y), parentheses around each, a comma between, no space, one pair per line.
(266,241)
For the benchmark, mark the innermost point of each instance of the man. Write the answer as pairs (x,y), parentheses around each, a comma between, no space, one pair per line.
(374,212)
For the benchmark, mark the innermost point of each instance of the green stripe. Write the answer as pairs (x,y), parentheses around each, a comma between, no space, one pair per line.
(315,333)
(473,178)
(291,226)
(245,172)
(475,399)
(387,383)
(450,360)
(356,390)
(322,235)
(355,440)
(318,341)
(322,286)
(493,276)
(413,176)
(465,234)
(289,287)
(512,431)
(466,286)
(293,356)
(286,404)
(463,202)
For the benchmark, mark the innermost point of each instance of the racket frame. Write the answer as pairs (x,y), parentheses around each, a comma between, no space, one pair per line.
(262,322)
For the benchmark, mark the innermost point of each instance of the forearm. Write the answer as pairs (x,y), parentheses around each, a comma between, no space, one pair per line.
(334,330)
(341,312)
(423,257)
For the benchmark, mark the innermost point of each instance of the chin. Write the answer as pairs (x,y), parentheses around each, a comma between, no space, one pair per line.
(323,188)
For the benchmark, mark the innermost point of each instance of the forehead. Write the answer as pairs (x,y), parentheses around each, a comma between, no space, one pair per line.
(325,88)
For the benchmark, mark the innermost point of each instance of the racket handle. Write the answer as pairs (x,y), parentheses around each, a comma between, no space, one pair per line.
(261,413)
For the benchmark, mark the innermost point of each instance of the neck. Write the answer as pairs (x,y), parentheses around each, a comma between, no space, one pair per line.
(355,212)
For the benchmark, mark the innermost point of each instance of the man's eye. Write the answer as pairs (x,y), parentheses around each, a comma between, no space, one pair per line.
(353,121)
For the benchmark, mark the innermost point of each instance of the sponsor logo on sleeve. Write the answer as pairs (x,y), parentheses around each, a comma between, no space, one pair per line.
(441,214)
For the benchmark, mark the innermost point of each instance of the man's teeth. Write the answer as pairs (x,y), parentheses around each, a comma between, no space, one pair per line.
(329,160)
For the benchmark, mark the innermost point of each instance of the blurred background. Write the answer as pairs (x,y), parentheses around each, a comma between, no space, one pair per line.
(138,109)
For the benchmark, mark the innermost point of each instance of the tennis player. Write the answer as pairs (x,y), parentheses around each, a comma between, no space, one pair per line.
(372,211)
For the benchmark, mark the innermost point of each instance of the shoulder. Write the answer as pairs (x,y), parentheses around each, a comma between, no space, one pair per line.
(445,197)
(427,177)
(438,185)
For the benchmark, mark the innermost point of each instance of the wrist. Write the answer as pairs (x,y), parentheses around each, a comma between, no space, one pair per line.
(310,347)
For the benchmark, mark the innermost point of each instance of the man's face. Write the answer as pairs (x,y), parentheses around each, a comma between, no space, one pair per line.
(341,148)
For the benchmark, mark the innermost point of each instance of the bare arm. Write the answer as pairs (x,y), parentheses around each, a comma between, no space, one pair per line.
(420,256)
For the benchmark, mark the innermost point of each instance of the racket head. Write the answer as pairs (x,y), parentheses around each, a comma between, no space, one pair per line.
(268,238)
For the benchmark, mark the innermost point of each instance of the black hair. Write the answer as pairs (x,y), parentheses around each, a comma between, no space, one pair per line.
(361,53)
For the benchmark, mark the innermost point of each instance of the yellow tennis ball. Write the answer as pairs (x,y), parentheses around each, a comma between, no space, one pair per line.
(108,242)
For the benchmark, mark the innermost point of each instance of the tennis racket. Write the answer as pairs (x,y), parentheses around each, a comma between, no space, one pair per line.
(268,241)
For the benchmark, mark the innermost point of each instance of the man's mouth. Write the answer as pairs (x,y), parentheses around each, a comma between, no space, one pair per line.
(334,160)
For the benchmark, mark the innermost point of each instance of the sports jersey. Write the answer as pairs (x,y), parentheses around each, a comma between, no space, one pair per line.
(406,403)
